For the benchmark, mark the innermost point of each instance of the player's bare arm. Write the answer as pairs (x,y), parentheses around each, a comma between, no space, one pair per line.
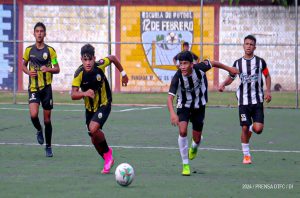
(118,65)
(173,116)
(54,70)
(268,96)
(231,70)
(227,82)
(77,95)
(27,71)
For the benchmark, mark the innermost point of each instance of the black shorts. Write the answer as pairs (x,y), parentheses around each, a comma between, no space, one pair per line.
(100,116)
(251,113)
(43,96)
(195,116)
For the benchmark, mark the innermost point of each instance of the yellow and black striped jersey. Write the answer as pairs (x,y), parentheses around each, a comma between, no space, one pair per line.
(36,59)
(95,80)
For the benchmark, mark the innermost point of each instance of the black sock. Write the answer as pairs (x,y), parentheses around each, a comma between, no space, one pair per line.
(48,133)
(101,147)
(104,146)
(36,123)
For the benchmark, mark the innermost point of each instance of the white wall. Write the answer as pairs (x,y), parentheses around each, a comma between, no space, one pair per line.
(270,25)
(69,23)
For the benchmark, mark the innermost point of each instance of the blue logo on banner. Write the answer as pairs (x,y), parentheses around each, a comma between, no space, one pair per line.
(6,48)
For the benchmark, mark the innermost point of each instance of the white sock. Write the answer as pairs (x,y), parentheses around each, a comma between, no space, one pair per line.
(195,145)
(246,149)
(183,148)
(251,128)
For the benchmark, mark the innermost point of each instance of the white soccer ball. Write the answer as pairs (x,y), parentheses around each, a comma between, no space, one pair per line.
(124,174)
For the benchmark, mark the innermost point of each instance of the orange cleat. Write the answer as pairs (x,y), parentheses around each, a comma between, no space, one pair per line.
(247,159)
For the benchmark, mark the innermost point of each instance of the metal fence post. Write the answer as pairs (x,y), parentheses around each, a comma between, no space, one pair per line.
(15,53)
(296,55)
(201,31)
(109,71)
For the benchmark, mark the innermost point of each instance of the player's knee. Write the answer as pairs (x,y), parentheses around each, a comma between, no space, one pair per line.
(34,115)
(34,111)
(183,133)
(47,121)
(93,129)
(258,129)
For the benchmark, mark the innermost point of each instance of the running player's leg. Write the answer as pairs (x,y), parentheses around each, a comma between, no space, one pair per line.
(34,103)
(245,122)
(47,104)
(197,119)
(245,137)
(48,132)
(34,115)
(98,137)
(184,116)
(183,147)
(258,118)
(196,140)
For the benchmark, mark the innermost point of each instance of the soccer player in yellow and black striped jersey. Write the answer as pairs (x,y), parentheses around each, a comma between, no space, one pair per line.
(42,62)
(95,91)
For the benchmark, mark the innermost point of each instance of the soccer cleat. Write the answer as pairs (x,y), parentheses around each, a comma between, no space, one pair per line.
(186,170)
(247,159)
(192,153)
(108,161)
(40,137)
(49,152)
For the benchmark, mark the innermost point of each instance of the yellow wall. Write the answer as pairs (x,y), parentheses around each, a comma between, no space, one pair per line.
(133,56)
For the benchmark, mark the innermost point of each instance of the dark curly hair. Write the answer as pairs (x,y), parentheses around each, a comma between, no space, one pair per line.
(87,50)
(40,24)
(185,56)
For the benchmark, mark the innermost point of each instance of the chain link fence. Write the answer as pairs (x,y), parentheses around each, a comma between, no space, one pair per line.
(146,37)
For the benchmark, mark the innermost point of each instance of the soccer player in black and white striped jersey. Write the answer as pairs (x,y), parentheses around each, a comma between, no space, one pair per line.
(250,93)
(190,85)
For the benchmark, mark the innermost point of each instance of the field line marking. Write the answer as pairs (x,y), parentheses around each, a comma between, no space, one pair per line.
(82,110)
(153,147)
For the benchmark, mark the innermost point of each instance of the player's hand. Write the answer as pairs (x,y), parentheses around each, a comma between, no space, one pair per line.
(32,73)
(206,62)
(221,88)
(233,71)
(44,69)
(124,80)
(174,120)
(268,96)
(89,93)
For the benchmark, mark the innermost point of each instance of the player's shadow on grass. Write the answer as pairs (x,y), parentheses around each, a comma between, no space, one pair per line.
(198,172)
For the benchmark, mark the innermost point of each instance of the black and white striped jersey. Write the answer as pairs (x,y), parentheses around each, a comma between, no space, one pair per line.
(191,90)
(250,90)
